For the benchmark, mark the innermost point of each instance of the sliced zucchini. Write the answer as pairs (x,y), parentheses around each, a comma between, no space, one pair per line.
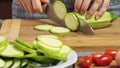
(72,22)
(3,41)
(47,49)
(9,63)
(104,21)
(44,27)
(2,63)
(24,48)
(2,48)
(52,42)
(62,54)
(24,43)
(66,50)
(59,30)
(59,9)
(34,44)
(23,62)
(40,51)
(11,51)
(16,64)
(51,36)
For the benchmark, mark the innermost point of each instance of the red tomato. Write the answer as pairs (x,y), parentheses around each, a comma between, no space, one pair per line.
(111,52)
(104,60)
(86,61)
(95,56)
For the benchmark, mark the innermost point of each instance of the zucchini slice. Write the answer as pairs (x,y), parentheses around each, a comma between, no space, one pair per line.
(52,42)
(59,9)
(72,22)
(44,27)
(34,44)
(16,64)
(9,63)
(59,30)
(66,50)
(23,62)
(2,63)
(3,41)
(24,48)
(50,36)
(11,51)
(24,43)
(2,48)
(47,49)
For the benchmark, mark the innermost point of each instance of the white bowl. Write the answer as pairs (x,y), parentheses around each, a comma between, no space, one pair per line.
(72,58)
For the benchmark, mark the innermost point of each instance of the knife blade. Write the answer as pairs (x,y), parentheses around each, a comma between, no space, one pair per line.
(85,27)
(48,9)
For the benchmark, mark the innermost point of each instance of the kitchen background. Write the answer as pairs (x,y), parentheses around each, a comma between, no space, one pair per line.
(5,9)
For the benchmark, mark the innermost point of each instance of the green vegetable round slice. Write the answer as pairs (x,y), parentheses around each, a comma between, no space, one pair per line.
(47,49)
(8,62)
(44,27)
(16,64)
(72,22)
(59,9)
(59,30)
(2,63)
(11,51)
(2,48)
(3,41)
(23,42)
(24,48)
(51,36)
(23,62)
(52,42)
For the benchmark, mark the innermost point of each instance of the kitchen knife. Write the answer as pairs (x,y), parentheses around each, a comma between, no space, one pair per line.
(85,28)
(48,9)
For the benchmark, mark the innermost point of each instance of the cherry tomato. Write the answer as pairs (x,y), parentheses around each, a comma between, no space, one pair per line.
(95,56)
(111,52)
(104,60)
(86,61)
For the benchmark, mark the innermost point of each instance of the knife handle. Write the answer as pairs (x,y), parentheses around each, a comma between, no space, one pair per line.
(45,7)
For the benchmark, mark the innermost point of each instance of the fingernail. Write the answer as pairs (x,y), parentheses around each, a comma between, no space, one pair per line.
(88,16)
(97,17)
(82,13)
(76,10)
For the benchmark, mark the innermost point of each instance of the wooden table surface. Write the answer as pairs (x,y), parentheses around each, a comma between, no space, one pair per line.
(104,38)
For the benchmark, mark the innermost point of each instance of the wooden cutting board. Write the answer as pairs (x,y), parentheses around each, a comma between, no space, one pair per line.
(104,38)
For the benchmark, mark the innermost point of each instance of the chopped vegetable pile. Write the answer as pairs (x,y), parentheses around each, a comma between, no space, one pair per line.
(46,50)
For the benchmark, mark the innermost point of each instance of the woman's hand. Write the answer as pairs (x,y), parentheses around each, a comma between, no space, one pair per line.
(32,6)
(81,6)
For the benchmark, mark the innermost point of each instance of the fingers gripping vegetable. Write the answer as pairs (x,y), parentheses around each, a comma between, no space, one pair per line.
(72,22)
(104,21)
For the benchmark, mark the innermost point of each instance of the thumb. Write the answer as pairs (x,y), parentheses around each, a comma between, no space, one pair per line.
(45,1)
